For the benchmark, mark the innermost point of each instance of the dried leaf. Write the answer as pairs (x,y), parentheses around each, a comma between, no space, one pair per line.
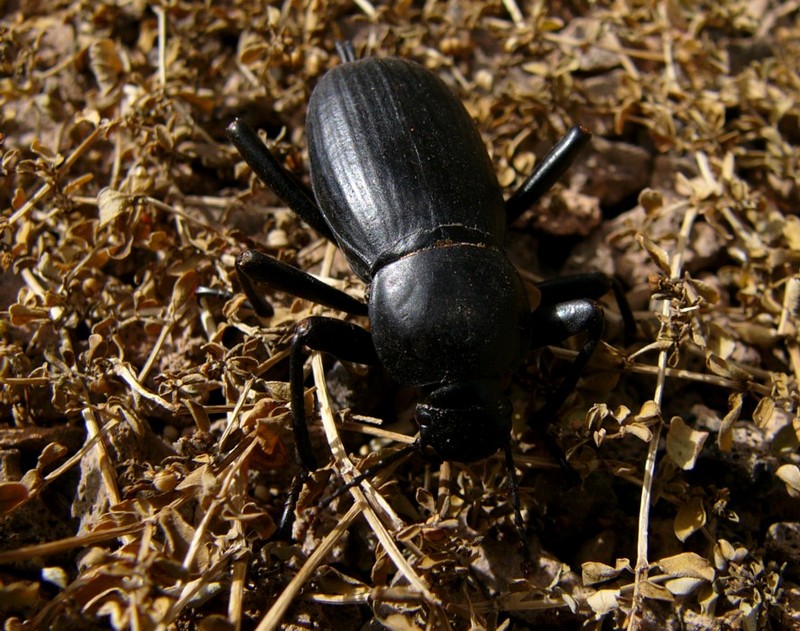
(725,553)
(164,137)
(687,564)
(271,453)
(106,64)
(790,475)
(724,368)
(707,292)
(178,535)
(19,199)
(55,575)
(642,432)
(683,586)
(604,601)
(653,591)
(684,443)
(690,518)
(621,413)
(333,581)
(45,152)
(183,291)
(725,433)
(281,390)
(764,411)
(657,254)
(21,315)
(199,414)
(593,573)
(50,454)
(113,204)
(650,410)
(707,597)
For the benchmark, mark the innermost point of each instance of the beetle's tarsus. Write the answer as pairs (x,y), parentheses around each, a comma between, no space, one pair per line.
(286,523)
(519,524)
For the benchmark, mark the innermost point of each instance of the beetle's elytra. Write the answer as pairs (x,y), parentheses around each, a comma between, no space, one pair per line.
(397,164)
(403,183)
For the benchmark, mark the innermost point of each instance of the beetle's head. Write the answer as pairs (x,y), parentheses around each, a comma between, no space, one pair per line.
(466,421)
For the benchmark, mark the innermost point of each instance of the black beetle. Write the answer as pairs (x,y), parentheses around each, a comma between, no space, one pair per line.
(404,185)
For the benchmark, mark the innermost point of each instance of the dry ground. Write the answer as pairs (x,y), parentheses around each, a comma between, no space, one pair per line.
(144,441)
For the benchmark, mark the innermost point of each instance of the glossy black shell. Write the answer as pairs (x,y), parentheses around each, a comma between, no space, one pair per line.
(397,164)
(448,314)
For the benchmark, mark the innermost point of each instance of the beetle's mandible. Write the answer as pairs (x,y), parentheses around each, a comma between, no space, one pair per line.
(403,184)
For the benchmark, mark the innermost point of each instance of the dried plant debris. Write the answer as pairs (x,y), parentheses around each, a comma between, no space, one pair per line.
(145,442)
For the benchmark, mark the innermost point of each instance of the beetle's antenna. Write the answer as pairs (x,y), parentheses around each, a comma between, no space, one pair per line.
(370,472)
(344,47)
(513,485)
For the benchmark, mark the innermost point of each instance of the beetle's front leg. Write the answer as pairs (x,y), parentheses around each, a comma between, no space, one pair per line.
(547,171)
(296,195)
(344,340)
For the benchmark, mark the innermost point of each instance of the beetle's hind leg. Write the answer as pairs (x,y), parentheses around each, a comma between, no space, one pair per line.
(552,324)
(591,285)
(568,308)
(294,193)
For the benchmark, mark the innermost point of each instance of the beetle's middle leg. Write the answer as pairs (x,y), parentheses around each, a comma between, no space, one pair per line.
(344,340)
(254,267)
